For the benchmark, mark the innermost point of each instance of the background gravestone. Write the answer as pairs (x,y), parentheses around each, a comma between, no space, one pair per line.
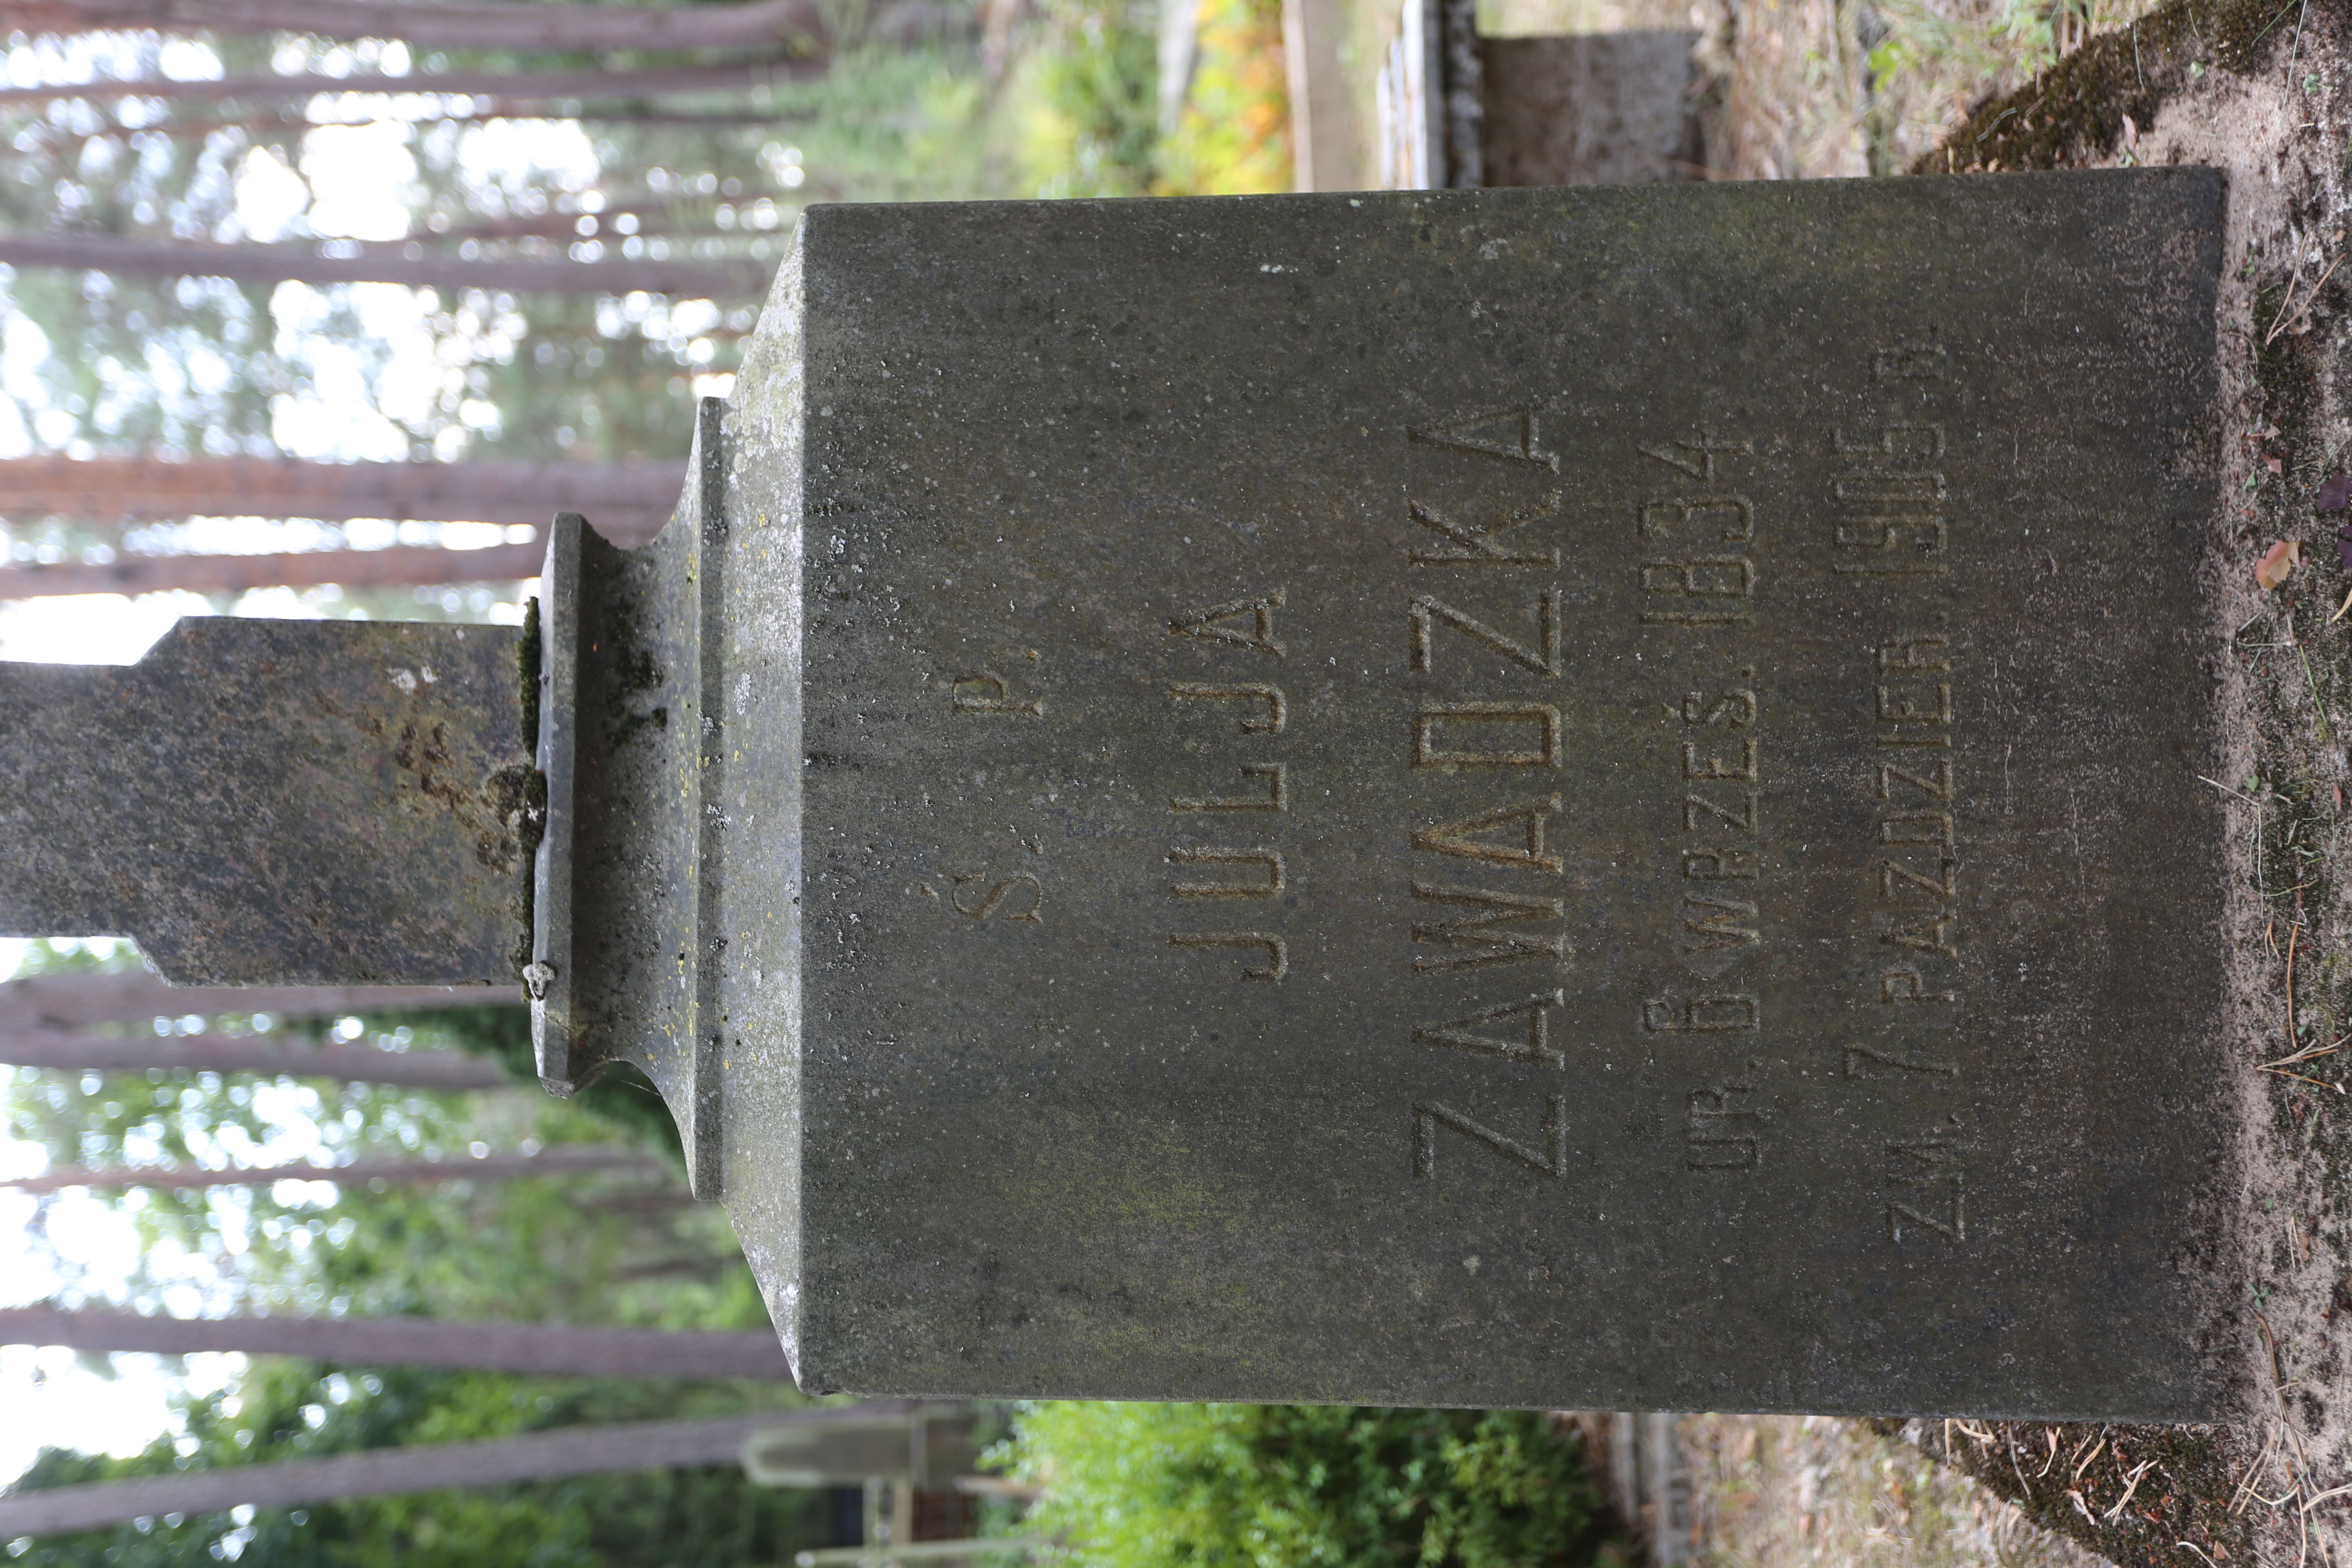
(1602,109)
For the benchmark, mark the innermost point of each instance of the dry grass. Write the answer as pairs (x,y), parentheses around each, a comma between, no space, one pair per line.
(1813,1492)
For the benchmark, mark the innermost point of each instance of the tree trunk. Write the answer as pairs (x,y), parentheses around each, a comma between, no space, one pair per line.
(65,1052)
(505,87)
(481,25)
(628,503)
(539,1456)
(237,573)
(136,996)
(590,113)
(551,1350)
(741,278)
(552,1161)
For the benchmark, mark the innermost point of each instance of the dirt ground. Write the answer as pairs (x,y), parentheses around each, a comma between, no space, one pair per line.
(1812,1491)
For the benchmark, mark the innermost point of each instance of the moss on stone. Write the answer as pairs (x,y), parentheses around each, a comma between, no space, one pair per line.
(2073,112)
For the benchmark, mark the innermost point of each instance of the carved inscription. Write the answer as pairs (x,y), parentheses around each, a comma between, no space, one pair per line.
(986,694)
(1702,537)
(1699,563)
(986,898)
(1267,865)
(1009,897)
(1892,520)
(1507,434)
(1481,637)
(1891,516)
(1257,871)
(1720,1133)
(1275,950)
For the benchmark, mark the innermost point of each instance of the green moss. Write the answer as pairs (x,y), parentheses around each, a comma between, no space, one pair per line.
(2074,111)
(529,654)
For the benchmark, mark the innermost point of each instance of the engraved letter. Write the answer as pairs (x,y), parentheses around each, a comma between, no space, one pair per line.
(1427,754)
(1719,1137)
(1930,936)
(1702,864)
(1551,1163)
(1737,708)
(1743,767)
(1543,659)
(1909,362)
(1537,1047)
(1936,785)
(1269,858)
(1508,433)
(1899,706)
(1003,898)
(1695,458)
(1275,949)
(1905,985)
(1461,837)
(1888,871)
(1731,518)
(1930,654)
(1699,1015)
(1896,444)
(1479,930)
(1926,827)
(985,692)
(1275,799)
(1935,1165)
(1277,713)
(1701,577)
(1857,1055)
(1745,820)
(1217,624)
(1482,546)
(1712,923)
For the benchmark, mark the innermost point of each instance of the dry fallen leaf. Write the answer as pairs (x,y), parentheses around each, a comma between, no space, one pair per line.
(2276,464)
(2278,564)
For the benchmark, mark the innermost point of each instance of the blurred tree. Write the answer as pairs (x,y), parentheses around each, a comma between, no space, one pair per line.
(239,574)
(544,1161)
(655,274)
(449,24)
(632,498)
(706,1517)
(542,1349)
(506,89)
(1286,1486)
(285,1053)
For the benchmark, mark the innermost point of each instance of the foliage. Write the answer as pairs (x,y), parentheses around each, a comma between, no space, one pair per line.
(1182,1485)
(1931,62)
(1091,94)
(622,1095)
(1233,137)
(660,1519)
(581,1247)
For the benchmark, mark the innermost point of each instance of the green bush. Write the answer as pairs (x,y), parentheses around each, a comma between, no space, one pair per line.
(1284,1486)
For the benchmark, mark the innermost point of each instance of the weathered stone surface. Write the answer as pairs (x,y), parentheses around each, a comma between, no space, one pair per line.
(1559,797)
(277,801)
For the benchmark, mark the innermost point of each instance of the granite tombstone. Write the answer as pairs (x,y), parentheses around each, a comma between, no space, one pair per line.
(1551,797)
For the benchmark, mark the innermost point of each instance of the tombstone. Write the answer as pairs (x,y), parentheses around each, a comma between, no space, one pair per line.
(1602,109)
(1569,798)
(1456,109)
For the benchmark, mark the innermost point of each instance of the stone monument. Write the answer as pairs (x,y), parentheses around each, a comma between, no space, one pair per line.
(1551,797)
